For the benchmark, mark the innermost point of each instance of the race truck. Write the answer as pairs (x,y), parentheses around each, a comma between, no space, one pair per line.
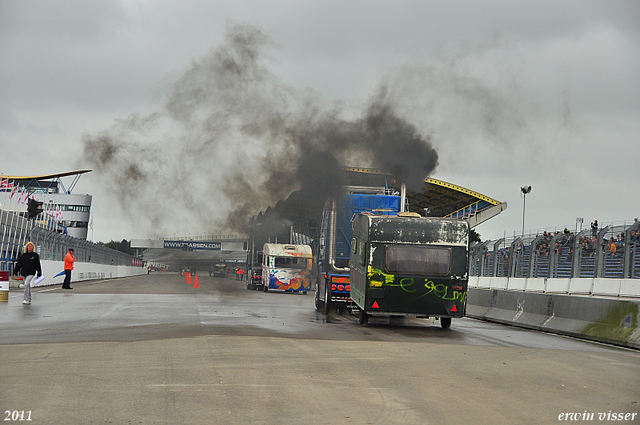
(286,267)
(254,269)
(332,289)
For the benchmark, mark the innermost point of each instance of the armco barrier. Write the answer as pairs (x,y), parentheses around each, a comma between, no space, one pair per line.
(611,320)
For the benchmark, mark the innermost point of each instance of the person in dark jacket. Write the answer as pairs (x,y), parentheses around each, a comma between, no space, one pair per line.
(28,265)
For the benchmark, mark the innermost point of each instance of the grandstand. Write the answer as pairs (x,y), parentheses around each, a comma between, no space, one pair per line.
(559,255)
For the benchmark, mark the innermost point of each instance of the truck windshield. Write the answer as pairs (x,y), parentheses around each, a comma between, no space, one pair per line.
(420,260)
(290,262)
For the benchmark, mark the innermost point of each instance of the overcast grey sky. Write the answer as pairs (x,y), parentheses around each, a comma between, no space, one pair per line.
(540,93)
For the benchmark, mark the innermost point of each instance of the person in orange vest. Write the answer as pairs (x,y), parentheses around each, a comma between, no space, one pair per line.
(69,259)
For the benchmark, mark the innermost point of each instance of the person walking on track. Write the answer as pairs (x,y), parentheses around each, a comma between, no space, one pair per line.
(28,265)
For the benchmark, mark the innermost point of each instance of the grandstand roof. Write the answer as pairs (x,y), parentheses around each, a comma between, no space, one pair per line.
(442,198)
(46,176)
(55,179)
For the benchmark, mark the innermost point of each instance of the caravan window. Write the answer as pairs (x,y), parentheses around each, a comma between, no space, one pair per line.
(290,262)
(420,260)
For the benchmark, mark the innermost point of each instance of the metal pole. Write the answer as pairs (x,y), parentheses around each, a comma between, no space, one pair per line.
(524,203)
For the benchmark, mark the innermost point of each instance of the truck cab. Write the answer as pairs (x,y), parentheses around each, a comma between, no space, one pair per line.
(333,285)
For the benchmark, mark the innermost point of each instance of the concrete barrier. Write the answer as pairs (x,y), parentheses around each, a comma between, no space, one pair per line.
(602,319)
(517,284)
(83,271)
(582,286)
(629,288)
(536,284)
(558,286)
(607,287)
(498,282)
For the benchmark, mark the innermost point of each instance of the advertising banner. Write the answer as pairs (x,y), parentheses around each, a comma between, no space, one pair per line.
(192,245)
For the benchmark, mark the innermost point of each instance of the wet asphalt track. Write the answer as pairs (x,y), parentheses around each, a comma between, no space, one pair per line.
(153,349)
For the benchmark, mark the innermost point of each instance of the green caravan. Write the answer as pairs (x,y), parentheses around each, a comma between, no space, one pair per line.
(409,265)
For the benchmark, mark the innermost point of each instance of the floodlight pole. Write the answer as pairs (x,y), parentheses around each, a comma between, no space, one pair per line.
(524,204)
(525,190)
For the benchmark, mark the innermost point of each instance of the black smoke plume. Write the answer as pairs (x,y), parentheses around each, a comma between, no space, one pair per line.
(232,140)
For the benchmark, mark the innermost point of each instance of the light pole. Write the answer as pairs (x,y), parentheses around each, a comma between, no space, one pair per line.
(525,190)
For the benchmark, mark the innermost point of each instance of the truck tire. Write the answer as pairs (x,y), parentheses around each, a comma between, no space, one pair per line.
(445,322)
(363,318)
(327,299)
(319,303)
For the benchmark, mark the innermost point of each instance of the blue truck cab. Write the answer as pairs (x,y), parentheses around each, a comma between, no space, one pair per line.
(333,287)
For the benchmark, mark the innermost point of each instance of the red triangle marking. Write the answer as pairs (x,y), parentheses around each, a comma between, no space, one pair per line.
(375,305)
(454,308)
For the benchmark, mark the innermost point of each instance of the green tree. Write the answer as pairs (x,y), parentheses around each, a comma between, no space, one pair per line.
(474,236)
(122,246)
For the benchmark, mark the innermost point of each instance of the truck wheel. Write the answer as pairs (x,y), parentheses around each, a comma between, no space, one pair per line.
(327,299)
(319,303)
(363,318)
(445,322)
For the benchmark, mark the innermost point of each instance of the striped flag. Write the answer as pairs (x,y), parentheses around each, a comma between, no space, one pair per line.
(24,195)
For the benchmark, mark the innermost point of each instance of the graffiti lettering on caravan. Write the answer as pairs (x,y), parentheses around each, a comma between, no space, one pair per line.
(377,278)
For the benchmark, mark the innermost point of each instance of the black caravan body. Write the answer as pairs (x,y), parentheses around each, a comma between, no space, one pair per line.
(410,266)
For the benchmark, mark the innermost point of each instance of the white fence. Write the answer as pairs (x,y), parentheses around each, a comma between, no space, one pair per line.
(606,287)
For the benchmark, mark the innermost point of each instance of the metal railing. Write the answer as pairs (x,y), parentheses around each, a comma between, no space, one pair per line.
(565,254)
(16,231)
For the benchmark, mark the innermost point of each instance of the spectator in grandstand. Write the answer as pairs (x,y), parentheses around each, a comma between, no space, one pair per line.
(619,241)
(543,251)
(611,249)
(594,228)
(589,246)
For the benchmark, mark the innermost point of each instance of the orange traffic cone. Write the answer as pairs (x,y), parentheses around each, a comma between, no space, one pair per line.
(195,283)
(189,278)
